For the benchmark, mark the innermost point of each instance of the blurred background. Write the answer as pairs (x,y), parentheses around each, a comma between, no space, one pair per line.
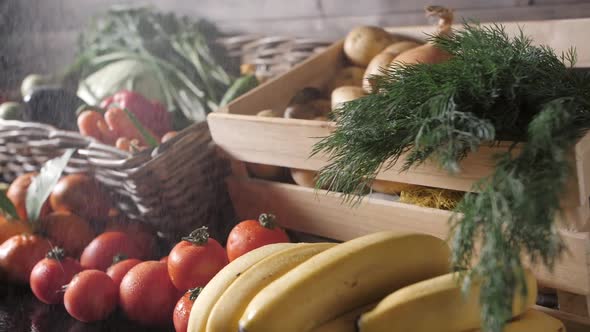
(40,35)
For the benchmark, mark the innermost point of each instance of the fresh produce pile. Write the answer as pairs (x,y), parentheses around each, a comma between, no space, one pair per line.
(380,282)
(174,61)
(442,100)
(128,121)
(171,59)
(60,235)
(368,50)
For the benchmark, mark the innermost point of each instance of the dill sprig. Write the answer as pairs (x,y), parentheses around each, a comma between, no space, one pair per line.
(494,88)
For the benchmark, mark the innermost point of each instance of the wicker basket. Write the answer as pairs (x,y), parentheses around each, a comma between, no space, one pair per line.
(176,186)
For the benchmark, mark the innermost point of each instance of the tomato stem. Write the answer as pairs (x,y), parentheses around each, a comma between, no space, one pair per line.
(267,220)
(194,293)
(199,236)
(119,257)
(56,253)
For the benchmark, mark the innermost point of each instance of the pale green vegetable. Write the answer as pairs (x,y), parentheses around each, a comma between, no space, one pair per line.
(127,74)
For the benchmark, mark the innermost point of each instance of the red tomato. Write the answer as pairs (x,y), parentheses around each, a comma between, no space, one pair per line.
(82,195)
(147,295)
(251,234)
(20,253)
(51,274)
(118,270)
(91,296)
(164,260)
(100,252)
(195,260)
(140,233)
(182,311)
(67,231)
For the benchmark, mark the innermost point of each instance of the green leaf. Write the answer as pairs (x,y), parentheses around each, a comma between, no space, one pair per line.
(149,138)
(43,184)
(7,207)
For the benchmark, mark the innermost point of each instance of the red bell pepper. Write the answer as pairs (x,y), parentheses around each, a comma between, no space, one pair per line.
(151,114)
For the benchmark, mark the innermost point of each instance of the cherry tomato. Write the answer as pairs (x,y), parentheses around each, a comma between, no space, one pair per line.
(20,253)
(17,194)
(164,260)
(195,260)
(100,252)
(50,274)
(140,233)
(91,296)
(67,231)
(81,195)
(147,295)
(118,270)
(182,310)
(251,234)
(10,228)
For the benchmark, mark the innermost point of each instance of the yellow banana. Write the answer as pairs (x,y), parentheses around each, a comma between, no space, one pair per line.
(349,275)
(346,322)
(211,293)
(231,305)
(534,321)
(438,305)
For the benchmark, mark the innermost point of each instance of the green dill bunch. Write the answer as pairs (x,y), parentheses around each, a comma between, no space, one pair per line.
(494,88)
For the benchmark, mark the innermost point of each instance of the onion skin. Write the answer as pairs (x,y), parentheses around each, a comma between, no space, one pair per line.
(429,53)
(381,60)
(400,47)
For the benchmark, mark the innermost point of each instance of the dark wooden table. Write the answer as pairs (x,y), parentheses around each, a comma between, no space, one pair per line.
(20,311)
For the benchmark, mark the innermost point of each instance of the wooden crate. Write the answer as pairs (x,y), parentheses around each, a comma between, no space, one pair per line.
(288,143)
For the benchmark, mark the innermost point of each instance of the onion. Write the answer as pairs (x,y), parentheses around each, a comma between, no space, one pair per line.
(381,60)
(429,53)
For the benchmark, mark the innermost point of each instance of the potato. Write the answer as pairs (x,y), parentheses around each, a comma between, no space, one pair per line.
(351,75)
(268,114)
(267,172)
(346,93)
(381,60)
(364,42)
(303,177)
(390,187)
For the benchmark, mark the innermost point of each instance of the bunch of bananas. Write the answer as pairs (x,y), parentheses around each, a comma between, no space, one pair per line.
(384,281)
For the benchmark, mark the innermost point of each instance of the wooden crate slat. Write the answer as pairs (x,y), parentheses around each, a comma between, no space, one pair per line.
(284,86)
(573,323)
(288,143)
(305,210)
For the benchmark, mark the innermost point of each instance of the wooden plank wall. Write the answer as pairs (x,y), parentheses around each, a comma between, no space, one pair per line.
(40,35)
